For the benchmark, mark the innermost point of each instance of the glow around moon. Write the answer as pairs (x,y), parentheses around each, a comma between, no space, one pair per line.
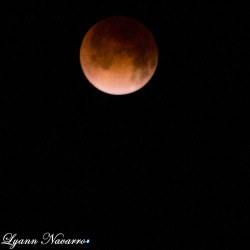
(118,55)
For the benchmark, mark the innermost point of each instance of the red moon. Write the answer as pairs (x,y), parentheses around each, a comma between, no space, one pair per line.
(118,55)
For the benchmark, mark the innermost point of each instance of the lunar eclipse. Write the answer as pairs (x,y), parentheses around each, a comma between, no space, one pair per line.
(118,55)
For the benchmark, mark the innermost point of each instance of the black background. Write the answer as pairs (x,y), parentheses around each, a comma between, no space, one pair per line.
(166,167)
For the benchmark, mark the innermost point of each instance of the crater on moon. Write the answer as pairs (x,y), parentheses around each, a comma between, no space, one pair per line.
(119,55)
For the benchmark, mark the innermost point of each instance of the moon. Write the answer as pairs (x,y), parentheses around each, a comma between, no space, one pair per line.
(118,55)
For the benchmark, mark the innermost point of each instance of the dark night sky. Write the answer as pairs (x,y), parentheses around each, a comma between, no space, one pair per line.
(166,167)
